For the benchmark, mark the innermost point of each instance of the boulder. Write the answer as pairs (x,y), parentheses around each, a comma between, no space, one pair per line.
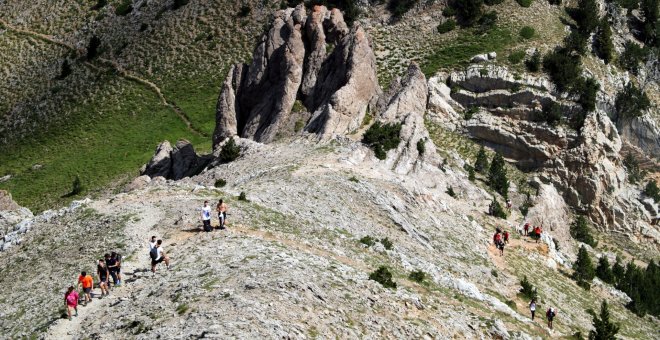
(6,202)
(312,58)
(161,162)
(175,163)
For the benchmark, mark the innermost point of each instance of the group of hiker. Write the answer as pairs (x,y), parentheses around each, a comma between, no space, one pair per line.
(549,314)
(500,239)
(536,231)
(220,208)
(108,267)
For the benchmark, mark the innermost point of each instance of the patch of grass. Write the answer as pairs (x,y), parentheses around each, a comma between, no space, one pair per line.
(182,309)
(468,43)
(127,127)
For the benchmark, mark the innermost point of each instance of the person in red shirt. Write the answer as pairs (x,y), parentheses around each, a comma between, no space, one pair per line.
(87,282)
(526,228)
(71,301)
(506,236)
(499,244)
(537,233)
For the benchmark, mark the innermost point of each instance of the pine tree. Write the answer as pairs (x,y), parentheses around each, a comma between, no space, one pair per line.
(618,271)
(651,12)
(230,151)
(583,268)
(586,16)
(481,164)
(468,11)
(497,179)
(604,329)
(652,190)
(580,231)
(603,42)
(603,270)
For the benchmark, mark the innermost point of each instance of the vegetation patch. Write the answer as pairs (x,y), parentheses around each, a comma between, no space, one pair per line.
(383,276)
(447,26)
(527,32)
(382,138)
(417,276)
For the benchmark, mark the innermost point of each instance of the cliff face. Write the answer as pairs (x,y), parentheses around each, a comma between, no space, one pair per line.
(315,59)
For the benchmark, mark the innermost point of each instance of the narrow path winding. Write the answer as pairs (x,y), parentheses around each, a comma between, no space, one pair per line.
(122,72)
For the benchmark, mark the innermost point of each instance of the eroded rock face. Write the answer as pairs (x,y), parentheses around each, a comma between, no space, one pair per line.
(642,133)
(313,58)
(175,163)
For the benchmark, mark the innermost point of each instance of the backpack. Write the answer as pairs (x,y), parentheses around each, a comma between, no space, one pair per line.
(153,253)
(71,298)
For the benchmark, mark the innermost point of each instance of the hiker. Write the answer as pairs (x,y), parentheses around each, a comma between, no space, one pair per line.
(104,273)
(526,228)
(71,301)
(87,283)
(222,213)
(532,308)
(111,264)
(206,216)
(537,233)
(491,208)
(117,269)
(550,315)
(499,244)
(158,255)
(506,237)
(152,243)
(509,205)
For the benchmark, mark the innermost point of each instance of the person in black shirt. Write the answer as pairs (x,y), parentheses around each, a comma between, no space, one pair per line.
(111,263)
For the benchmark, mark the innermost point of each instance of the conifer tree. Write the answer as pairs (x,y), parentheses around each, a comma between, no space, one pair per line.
(497,179)
(580,231)
(618,271)
(481,164)
(604,329)
(583,268)
(603,270)
(587,16)
(603,42)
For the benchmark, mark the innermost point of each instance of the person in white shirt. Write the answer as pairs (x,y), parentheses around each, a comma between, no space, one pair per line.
(159,256)
(532,308)
(206,216)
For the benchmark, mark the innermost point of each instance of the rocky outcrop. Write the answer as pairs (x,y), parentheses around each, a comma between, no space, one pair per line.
(175,163)
(312,58)
(641,133)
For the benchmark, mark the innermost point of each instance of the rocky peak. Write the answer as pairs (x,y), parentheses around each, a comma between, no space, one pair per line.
(312,58)
(175,162)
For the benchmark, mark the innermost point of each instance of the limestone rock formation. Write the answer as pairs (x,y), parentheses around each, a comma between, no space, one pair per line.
(641,133)
(175,163)
(312,58)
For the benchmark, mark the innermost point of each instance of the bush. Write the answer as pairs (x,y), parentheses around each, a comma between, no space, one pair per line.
(603,270)
(99,4)
(583,269)
(382,138)
(527,32)
(124,8)
(354,179)
(383,276)
(230,151)
(631,102)
(244,11)
(417,276)
(603,42)
(497,210)
(631,57)
(563,68)
(497,176)
(580,231)
(421,146)
(387,243)
(576,42)
(179,3)
(516,57)
(555,2)
(468,11)
(219,183)
(524,3)
(550,114)
(243,197)
(447,26)
(448,12)
(604,329)
(450,192)
(651,25)
(586,16)
(618,271)
(651,190)
(471,174)
(368,241)
(527,290)
(93,47)
(400,7)
(469,113)
(493,2)
(587,89)
(533,64)
(487,21)
(65,70)
(481,164)
(76,188)
(635,173)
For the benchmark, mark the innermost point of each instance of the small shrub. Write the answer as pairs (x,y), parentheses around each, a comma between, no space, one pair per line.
(635,173)
(580,231)
(527,32)
(386,243)
(448,12)
(367,119)
(244,11)
(300,124)
(421,146)
(533,64)
(383,276)
(493,2)
(230,151)
(631,102)
(182,309)
(497,176)
(494,273)
(65,70)
(76,188)
(124,8)
(382,138)
(400,7)
(516,57)
(651,190)
(368,241)
(511,304)
(450,192)
(99,4)
(471,174)
(587,90)
(524,208)
(481,164)
(298,107)
(220,183)
(576,42)
(524,3)
(603,328)
(563,68)
(243,197)
(179,3)
(527,290)
(497,210)
(468,11)
(354,179)
(631,57)
(93,47)
(447,26)
(487,21)
(469,113)
(417,276)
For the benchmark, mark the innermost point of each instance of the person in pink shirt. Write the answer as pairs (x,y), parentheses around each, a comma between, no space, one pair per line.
(71,301)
